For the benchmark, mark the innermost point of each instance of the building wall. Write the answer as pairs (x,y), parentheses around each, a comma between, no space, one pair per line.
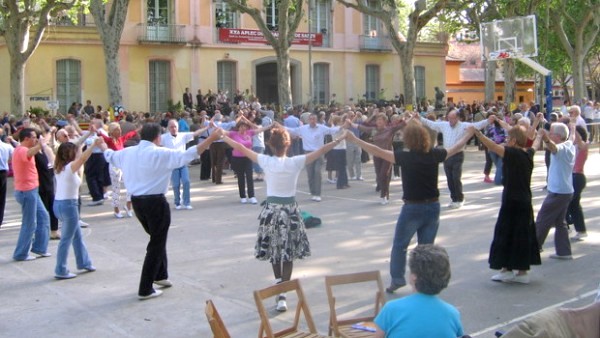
(193,63)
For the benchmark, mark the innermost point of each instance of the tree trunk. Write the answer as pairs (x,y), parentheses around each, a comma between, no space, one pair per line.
(408,74)
(490,81)
(17,85)
(509,81)
(283,77)
(113,76)
(579,91)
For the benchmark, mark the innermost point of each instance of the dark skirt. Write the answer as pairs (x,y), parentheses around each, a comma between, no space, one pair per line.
(515,245)
(281,234)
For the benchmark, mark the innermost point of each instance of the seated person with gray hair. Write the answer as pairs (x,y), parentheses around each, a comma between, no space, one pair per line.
(422,314)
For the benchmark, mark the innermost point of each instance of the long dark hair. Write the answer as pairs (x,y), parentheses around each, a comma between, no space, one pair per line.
(66,154)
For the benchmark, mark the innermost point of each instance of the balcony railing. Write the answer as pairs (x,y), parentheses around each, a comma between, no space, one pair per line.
(161,33)
(375,43)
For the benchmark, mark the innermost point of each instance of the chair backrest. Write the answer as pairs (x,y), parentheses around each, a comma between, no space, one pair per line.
(352,278)
(214,319)
(301,308)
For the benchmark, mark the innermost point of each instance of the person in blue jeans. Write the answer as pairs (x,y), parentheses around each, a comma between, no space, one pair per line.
(422,314)
(35,226)
(67,166)
(421,211)
(496,133)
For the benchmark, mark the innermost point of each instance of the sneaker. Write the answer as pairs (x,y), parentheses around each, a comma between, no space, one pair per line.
(561,257)
(487,179)
(281,303)
(455,205)
(165,283)
(83,224)
(95,203)
(332,181)
(244,200)
(395,178)
(69,275)
(579,236)
(119,215)
(253,200)
(90,268)
(42,254)
(503,276)
(154,294)
(353,178)
(28,258)
(521,279)
(393,287)
(316,198)
(384,201)
(129,212)
(360,178)
(188,207)
(178,206)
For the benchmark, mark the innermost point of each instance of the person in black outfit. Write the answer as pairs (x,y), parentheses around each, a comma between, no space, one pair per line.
(188,100)
(44,163)
(515,245)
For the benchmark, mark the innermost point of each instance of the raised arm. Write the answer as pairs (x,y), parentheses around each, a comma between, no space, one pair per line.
(79,161)
(372,149)
(312,156)
(489,144)
(249,153)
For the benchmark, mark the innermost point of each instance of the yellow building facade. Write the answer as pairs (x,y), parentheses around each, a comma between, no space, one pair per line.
(170,45)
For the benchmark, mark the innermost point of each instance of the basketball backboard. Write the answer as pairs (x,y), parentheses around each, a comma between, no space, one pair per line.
(509,38)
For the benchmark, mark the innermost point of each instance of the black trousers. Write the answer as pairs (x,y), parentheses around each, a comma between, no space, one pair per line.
(217,158)
(242,166)
(154,214)
(205,165)
(96,170)
(453,170)
(575,212)
(3,174)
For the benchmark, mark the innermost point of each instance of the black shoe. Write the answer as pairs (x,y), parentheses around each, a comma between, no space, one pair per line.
(393,287)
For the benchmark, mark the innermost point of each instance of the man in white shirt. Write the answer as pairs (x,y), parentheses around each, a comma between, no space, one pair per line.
(575,113)
(146,171)
(180,176)
(452,131)
(292,121)
(6,151)
(313,138)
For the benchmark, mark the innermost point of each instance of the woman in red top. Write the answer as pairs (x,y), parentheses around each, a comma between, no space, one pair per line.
(115,141)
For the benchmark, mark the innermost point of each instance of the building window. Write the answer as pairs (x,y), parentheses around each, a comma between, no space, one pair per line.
(68,83)
(321,83)
(227,76)
(272,12)
(321,20)
(371,25)
(159,12)
(372,82)
(160,85)
(225,17)
(420,83)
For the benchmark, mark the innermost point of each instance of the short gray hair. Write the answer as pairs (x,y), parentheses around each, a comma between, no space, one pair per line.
(560,129)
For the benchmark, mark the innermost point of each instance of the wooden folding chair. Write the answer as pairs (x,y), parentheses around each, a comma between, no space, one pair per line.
(214,319)
(343,327)
(266,330)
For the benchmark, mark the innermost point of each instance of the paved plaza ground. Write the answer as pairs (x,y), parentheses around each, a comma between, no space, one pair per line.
(211,257)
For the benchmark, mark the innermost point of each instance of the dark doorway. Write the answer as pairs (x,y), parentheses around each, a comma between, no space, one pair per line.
(266,83)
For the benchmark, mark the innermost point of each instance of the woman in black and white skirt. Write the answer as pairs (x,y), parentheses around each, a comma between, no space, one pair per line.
(281,233)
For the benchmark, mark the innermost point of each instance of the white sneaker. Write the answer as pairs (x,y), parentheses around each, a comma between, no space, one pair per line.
(118,215)
(83,224)
(316,198)
(384,201)
(332,181)
(503,276)
(396,178)
(178,206)
(129,212)
(521,279)
(253,200)
(281,303)
(579,236)
(243,200)
(360,178)
(188,207)
(455,205)
(353,178)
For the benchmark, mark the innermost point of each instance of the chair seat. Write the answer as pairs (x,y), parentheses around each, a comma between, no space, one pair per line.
(301,334)
(347,331)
